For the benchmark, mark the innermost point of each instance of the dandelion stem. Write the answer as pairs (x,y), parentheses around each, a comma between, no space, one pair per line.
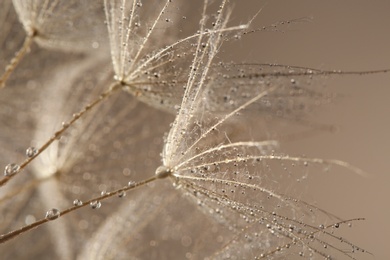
(65,126)
(16,59)
(13,234)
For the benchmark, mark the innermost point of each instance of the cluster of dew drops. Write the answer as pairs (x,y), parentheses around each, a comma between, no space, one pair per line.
(13,168)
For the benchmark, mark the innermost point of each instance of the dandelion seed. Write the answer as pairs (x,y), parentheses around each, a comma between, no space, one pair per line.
(51,25)
(145,57)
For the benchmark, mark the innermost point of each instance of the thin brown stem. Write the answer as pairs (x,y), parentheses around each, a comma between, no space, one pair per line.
(13,234)
(16,59)
(65,126)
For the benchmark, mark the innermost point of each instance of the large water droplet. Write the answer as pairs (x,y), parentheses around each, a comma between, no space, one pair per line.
(95,204)
(52,214)
(31,152)
(11,169)
(163,172)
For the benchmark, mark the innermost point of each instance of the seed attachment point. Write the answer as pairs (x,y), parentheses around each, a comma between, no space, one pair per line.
(163,172)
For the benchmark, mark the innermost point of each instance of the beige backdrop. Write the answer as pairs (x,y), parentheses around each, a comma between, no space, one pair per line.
(346,35)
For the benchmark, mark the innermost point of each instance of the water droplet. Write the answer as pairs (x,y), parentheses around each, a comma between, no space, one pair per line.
(95,204)
(31,152)
(52,214)
(321,226)
(305,163)
(163,172)
(131,183)
(11,169)
(77,202)
(337,225)
(292,81)
(122,194)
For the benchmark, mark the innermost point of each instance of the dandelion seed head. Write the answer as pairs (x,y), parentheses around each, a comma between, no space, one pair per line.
(54,23)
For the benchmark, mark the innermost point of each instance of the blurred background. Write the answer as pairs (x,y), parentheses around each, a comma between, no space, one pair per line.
(349,36)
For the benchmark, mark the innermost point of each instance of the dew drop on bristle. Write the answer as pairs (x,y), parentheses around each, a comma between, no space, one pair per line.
(77,202)
(122,194)
(11,169)
(52,214)
(31,152)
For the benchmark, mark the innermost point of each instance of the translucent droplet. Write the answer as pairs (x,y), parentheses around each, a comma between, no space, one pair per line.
(163,172)
(11,169)
(31,152)
(52,214)
(131,183)
(122,194)
(321,226)
(95,204)
(77,202)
